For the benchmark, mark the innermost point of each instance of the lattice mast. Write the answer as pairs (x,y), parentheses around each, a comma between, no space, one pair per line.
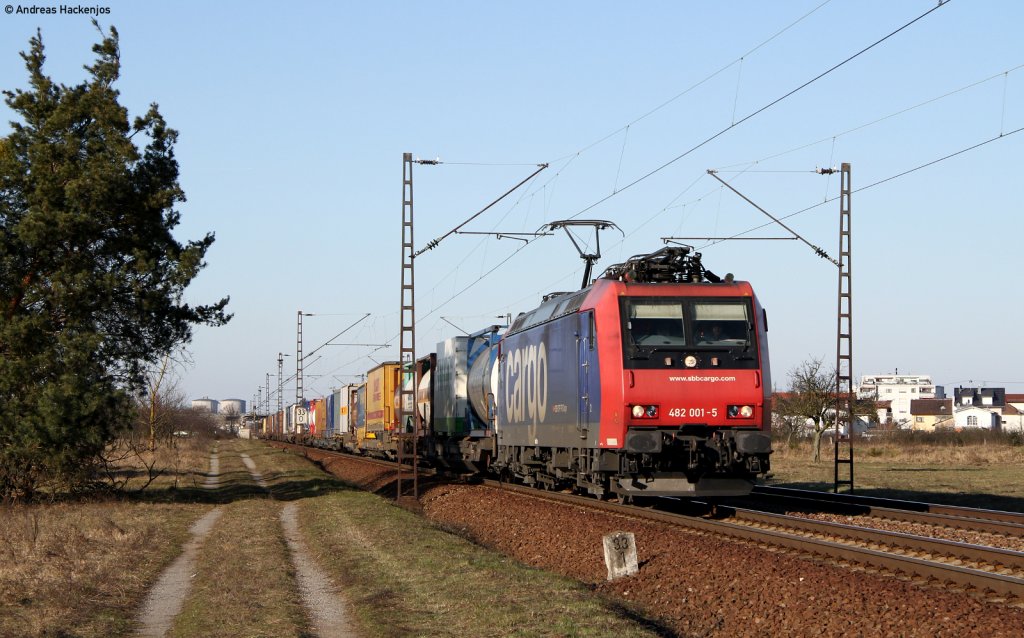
(845,400)
(299,399)
(408,430)
(280,387)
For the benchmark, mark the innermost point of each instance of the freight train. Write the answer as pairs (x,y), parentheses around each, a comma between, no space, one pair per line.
(652,381)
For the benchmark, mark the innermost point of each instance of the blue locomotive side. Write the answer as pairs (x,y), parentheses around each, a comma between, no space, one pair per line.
(549,384)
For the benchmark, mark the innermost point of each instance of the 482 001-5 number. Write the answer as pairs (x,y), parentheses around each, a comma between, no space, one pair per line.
(693,413)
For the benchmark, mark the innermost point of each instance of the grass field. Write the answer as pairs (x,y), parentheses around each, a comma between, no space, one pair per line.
(82,569)
(977,472)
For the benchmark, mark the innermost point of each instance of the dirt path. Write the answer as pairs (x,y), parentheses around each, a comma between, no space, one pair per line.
(319,596)
(256,476)
(213,476)
(167,596)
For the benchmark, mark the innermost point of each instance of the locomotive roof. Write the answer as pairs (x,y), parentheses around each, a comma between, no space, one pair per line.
(555,306)
(669,265)
(561,304)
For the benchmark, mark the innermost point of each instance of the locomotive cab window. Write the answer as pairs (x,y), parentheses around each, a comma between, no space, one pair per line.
(655,323)
(661,332)
(721,324)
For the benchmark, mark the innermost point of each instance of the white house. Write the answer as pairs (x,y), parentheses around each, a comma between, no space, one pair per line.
(979,407)
(1013,413)
(899,390)
(976,417)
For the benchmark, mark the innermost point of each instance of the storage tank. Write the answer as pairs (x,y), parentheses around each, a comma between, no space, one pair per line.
(231,406)
(205,405)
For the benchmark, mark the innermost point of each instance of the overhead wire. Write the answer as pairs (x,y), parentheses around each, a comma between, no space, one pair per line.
(569,159)
(834,136)
(877,183)
(696,85)
(747,167)
(740,234)
(764,108)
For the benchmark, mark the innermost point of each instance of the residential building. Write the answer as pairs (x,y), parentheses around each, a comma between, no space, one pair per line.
(975,417)
(1013,413)
(899,390)
(928,414)
(1013,417)
(979,407)
(985,397)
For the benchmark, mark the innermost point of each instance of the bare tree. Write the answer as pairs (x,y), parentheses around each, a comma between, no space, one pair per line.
(785,426)
(812,399)
(147,447)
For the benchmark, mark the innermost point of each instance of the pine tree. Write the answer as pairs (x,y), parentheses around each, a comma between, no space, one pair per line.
(91,278)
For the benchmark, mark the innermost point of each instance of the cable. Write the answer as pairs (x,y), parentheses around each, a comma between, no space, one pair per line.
(764,108)
(694,86)
(878,183)
(726,169)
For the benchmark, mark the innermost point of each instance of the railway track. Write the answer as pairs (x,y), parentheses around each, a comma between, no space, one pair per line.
(967,518)
(991,574)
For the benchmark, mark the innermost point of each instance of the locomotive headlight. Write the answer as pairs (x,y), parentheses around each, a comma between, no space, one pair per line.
(690,361)
(644,411)
(740,411)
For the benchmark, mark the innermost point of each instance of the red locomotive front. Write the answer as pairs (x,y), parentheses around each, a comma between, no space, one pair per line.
(691,410)
(652,381)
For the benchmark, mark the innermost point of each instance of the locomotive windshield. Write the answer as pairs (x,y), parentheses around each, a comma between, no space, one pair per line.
(653,323)
(660,332)
(721,324)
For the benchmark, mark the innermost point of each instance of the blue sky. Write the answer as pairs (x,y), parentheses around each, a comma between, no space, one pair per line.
(294,117)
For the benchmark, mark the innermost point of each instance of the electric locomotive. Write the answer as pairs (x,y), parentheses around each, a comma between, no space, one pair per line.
(652,381)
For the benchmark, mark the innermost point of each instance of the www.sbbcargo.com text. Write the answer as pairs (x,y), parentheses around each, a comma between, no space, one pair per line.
(62,9)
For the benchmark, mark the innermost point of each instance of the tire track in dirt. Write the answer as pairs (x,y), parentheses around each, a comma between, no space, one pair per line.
(318,593)
(166,598)
(326,606)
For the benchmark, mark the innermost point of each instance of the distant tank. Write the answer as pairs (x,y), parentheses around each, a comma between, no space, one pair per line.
(232,406)
(205,405)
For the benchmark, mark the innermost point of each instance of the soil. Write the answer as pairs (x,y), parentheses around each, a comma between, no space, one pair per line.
(695,584)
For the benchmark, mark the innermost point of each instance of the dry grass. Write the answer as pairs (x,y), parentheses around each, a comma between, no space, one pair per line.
(178,465)
(244,583)
(82,569)
(404,577)
(965,469)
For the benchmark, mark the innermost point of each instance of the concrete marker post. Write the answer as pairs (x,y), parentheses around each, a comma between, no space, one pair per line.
(620,554)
